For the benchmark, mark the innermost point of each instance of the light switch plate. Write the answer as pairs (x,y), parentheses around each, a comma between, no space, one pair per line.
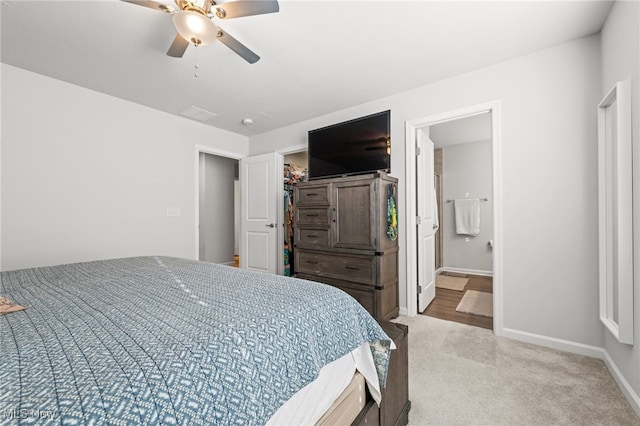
(173,211)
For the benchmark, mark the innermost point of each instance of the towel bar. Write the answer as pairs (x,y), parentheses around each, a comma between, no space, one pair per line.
(481,199)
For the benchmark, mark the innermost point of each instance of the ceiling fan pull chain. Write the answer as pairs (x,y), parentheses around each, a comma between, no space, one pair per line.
(196,64)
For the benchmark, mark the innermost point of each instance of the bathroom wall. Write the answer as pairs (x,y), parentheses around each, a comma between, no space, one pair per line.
(466,171)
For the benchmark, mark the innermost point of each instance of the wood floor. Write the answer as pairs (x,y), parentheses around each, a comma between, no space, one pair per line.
(445,303)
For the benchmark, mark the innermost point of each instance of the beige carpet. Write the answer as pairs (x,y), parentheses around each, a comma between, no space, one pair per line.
(464,375)
(476,303)
(451,283)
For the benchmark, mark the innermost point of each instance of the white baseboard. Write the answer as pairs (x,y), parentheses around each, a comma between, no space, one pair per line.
(467,271)
(403,312)
(552,342)
(581,349)
(625,387)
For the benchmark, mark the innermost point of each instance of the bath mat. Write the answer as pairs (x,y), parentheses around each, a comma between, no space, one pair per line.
(477,303)
(451,283)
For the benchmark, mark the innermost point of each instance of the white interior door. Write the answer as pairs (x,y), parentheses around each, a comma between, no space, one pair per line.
(261,199)
(427,220)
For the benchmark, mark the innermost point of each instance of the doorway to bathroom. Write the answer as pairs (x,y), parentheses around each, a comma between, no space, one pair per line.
(463,260)
(463,243)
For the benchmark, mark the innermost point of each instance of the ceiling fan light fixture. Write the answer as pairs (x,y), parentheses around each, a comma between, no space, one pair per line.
(197,29)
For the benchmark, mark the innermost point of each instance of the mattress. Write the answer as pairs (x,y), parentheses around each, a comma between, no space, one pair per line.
(348,405)
(316,400)
(165,340)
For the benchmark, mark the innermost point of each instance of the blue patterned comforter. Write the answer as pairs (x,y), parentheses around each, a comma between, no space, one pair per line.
(156,340)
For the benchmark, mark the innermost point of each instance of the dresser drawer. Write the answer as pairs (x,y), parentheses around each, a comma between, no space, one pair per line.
(310,216)
(359,269)
(381,303)
(366,297)
(310,195)
(312,237)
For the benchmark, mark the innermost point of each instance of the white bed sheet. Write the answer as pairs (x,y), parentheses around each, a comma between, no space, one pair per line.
(308,405)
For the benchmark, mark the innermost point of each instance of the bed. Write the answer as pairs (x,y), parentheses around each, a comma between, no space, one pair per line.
(161,340)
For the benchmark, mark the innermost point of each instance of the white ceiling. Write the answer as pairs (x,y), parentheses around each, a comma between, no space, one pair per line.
(475,128)
(317,56)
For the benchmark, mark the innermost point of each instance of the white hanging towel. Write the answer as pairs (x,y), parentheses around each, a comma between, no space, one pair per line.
(467,211)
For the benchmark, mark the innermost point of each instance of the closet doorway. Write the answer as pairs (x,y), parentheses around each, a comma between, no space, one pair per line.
(217,207)
(296,165)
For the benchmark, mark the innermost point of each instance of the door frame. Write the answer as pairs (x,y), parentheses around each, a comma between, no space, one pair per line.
(411,126)
(235,156)
(213,151)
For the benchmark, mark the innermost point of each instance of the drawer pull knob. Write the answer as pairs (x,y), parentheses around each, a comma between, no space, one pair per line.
(312,215)
(312,194)
(313,262)
(312,236)
(352,268)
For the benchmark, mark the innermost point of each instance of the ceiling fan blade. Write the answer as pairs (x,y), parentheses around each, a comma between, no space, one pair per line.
(237,47)
(239,8)
(153,5)
(178,47)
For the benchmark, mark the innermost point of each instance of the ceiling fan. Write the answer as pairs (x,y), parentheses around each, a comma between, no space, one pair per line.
(193,22)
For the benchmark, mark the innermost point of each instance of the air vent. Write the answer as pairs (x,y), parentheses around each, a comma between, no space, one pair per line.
(198,113)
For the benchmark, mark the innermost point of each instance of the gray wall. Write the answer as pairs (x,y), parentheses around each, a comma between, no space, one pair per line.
(620,61)
(466,168)
(87,176)
(217,208)
(548,151)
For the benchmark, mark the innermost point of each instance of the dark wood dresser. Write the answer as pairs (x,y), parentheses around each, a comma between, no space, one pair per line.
(341,239)
(394,410)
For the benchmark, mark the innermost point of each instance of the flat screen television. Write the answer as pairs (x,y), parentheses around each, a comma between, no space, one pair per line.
(358,146)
